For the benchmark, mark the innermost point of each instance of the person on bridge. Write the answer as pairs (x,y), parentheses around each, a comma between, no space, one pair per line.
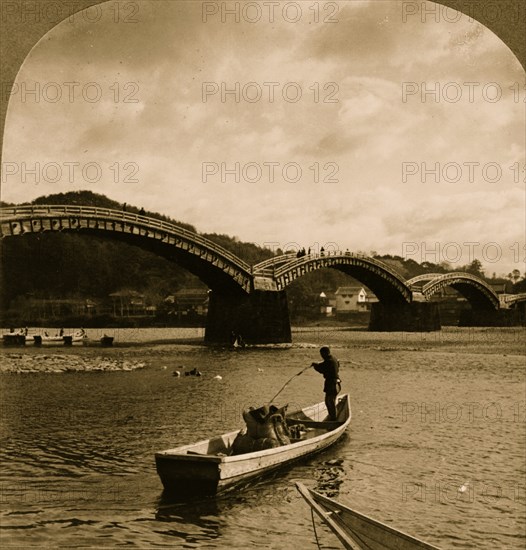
(330,368)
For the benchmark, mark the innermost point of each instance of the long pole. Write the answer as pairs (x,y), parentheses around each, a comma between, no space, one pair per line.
(289,381)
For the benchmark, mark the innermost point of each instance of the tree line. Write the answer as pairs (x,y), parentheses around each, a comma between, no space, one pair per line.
(52,265)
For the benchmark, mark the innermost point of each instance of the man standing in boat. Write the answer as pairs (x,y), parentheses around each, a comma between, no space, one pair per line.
(329,367)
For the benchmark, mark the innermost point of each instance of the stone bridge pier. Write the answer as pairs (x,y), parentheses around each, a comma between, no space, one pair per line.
(405,317)
(261,317)
(251,300)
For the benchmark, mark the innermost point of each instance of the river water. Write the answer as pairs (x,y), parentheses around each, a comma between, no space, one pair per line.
(436,447)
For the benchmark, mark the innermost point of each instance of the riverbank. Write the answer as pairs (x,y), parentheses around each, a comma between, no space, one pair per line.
(138,348)
(143,340)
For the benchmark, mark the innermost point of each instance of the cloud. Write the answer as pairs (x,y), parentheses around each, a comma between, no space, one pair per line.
(152,113)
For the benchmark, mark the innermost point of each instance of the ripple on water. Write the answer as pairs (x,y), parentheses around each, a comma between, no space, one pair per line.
(77,449)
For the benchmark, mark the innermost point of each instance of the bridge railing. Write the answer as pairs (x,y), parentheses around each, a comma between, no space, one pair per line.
(274,261)
(458,275)
(119,215)
(511,298)
(423,277)
(337,254)
(461,277)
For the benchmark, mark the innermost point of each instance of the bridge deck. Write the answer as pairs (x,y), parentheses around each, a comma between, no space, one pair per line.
(275,273)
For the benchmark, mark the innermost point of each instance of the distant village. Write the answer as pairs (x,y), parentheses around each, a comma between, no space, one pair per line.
(189,306)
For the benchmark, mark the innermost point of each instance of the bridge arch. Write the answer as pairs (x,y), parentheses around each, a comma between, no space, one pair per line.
(384,281)
(422,278)
(218,268)
(479,294)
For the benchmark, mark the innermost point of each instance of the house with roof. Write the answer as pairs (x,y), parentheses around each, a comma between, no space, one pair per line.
(189,301)
(353,298)
(327,301)
(129,303)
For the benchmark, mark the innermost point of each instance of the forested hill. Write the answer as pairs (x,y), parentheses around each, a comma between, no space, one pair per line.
(249,252)
(69,265)
(87,198)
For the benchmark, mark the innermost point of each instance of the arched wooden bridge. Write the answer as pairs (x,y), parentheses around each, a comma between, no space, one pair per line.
(242,291)
(473,288)
(215,266)
(384,281)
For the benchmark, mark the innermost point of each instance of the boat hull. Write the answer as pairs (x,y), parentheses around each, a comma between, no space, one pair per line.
(188,477)
(193,470)
(65,339)
(357,531)
(14,339)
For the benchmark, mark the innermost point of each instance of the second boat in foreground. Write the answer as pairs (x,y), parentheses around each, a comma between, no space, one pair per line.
(357,531)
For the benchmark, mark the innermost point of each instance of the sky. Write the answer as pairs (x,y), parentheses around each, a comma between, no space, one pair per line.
(353,123)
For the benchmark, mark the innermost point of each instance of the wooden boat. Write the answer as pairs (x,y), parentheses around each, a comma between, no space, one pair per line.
(357,531)
(106,341)
(208,467)
(14,339)
(48,339)
(77,336)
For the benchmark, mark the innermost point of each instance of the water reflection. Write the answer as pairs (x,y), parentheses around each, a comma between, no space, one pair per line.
(201,517)
(329,476)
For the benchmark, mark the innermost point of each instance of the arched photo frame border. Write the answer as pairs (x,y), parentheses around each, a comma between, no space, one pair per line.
(19,37)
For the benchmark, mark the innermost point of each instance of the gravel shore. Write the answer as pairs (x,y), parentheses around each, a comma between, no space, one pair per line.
(55,363)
